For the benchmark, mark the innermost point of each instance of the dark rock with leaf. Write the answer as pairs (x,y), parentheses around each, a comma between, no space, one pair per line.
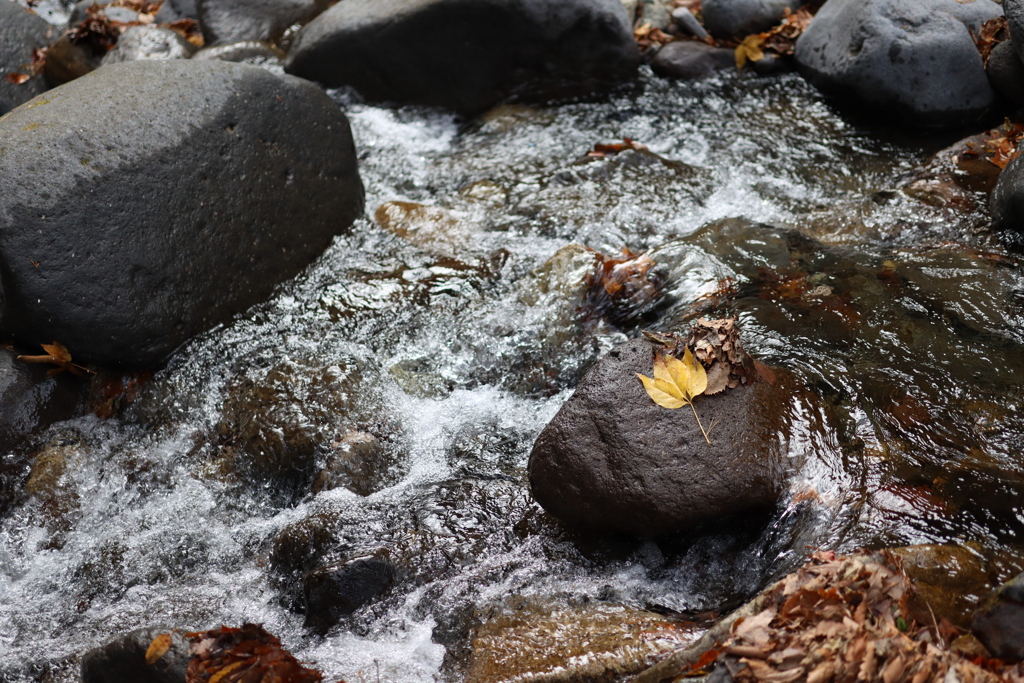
(31,400)
(739,18)
(467,56)
(999,624)
(335,591)
(910,60)
(21,34)
(613,460)
(247,177)
(125,658)
(149,42)
(229,21)
(691,60)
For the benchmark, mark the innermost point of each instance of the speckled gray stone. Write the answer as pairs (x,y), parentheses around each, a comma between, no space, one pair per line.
(21,32)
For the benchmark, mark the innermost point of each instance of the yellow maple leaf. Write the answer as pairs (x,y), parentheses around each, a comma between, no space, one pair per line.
(676,383)
(750,49)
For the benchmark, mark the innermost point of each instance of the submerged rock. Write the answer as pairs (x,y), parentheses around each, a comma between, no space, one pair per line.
(999,624)
(946,581)
(30,401)
(910,59)
(690,60)
(21,32)
(463,56)
(613,460)
(149,42)
(529,640)
(739,18)
(335,591)
(246,178)
(124,659)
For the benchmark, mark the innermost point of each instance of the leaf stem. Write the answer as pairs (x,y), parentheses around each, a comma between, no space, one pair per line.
(699,424)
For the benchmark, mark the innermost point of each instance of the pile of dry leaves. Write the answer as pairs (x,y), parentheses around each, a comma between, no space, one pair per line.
(998,146)
(993,32)
(248,654)
(847,619)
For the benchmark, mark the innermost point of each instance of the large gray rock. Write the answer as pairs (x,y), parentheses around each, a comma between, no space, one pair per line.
(1006,72)
(1014,10)
(467,54)
(124,659)
(739,18)
(152,200)
(910,59)
(21,32)
(613,460)
(229,21)
(176,10)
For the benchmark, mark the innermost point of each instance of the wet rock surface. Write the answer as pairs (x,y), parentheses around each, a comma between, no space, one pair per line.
(124,659)
(466,57)
(250,51)
(335,591)
(691,60)
(1007,199)
(999,624)
(1006,72)
(230,21)
(916,58)
(21,32)
(178,276)
(613,460)
(30,401)
(740,18)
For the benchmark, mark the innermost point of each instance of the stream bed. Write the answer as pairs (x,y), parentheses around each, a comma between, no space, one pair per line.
(898,322)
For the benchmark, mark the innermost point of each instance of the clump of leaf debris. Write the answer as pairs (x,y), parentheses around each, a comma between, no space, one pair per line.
(249,654)
(846,619)
(622,290)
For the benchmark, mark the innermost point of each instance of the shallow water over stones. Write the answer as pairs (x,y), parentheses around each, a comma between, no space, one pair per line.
(899,322)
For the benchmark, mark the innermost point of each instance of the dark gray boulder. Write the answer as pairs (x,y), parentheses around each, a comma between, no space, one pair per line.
(154,199)
(1014,11)
(229,21)
(21,32)
(335,591)
(149,42)
(467,55)
(911,60)
(999,624)
(613,460)
(176,10)
(1006,203)
(124,659)
(690,60)
(1006,72)
(739,18)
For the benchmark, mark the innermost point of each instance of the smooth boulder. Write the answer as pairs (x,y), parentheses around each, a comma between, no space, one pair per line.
(1006,203)
(999,624)
(613,460)
(739,18)
(910,60)
(152,200)
(692,60)
(1006,72)
(467,55)
(230,21)
(149,42)
(21,32)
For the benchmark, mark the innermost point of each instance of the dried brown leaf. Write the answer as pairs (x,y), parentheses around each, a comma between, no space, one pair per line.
(158,648)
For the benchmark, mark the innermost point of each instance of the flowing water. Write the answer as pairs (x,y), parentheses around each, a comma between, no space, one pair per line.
(899,322)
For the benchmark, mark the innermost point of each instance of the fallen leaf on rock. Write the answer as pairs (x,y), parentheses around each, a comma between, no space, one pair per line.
(676,382)
(993,32)
(749,49)
(57,354)
(16,78)
(602,150)
(158,648)
(249,654)
(621,289)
